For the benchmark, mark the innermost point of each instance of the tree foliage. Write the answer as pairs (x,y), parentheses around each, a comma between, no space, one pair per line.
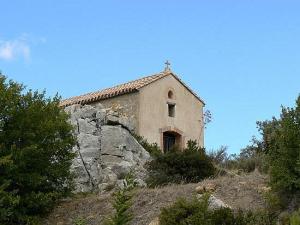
(281,143)
(35,153)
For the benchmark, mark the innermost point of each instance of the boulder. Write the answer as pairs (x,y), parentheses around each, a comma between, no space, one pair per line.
(214,203)
(106,150)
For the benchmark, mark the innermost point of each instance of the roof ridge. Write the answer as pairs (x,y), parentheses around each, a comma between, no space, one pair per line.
(116,90)
(121,89)
(187,87)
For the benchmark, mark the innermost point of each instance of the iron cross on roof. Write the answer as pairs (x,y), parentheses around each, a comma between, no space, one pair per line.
(167,68)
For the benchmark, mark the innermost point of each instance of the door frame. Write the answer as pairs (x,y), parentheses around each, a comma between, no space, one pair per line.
(180,139)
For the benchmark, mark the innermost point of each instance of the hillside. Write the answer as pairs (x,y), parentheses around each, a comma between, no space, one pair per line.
(238,191)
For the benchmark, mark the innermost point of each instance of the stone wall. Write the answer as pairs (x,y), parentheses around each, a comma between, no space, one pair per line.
(127,107)
(106,150)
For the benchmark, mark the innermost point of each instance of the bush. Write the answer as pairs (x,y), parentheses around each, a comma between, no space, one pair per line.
(249,164)
(196,212)
(249,159)
(219,156)
(79,221)
(295,218)
(35,153)
(281,143)
(292,218)
(188,165)
(153,148)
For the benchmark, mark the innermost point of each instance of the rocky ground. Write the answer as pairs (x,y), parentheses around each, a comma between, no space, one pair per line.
(238,191)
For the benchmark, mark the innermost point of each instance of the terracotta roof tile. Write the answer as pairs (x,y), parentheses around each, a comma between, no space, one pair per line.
(121,89)
(113,91)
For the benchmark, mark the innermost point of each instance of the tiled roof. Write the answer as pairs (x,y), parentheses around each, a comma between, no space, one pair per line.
(121,89)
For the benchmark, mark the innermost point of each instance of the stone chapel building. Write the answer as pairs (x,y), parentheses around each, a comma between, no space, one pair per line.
(161,108)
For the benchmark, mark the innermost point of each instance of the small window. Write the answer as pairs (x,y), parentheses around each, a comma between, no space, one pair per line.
(171,110)
(170,94)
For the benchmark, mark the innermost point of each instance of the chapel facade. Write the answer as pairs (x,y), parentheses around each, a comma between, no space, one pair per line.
(161,108)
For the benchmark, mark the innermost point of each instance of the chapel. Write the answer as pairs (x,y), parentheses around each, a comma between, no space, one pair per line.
(161,108)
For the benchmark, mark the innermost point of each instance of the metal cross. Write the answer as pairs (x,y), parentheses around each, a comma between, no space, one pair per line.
(167,65)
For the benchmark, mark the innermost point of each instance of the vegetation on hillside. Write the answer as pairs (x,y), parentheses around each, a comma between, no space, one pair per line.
(122,202)
(278,154)
(197,212)
(35,153)
(191,164)
(152,148)
(281,144)
(35,159)
(240,191)
(249,159)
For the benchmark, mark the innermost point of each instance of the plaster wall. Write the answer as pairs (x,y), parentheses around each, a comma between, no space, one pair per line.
(153,112)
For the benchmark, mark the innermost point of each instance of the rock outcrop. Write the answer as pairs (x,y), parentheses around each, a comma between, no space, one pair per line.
(106,150)
(215,203)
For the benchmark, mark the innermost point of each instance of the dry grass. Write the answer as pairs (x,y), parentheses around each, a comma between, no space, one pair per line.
(238,191)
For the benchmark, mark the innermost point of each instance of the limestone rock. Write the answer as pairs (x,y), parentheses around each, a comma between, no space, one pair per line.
(106,150)
(214,203)
(124,121)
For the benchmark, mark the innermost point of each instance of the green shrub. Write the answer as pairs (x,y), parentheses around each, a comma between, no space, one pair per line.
(188,165)
(122,201)
(196,212)
(249,159)
(247,165)
(35,153)
(273,202)
(79,221)
(219,156)
(292,218)
(281,143)
(295,218)
(185,212)
(153,148)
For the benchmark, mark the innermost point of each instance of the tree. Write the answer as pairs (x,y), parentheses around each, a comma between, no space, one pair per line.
(35,153)
(281,143)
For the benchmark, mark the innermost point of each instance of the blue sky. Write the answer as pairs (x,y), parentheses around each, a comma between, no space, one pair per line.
(241,57)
